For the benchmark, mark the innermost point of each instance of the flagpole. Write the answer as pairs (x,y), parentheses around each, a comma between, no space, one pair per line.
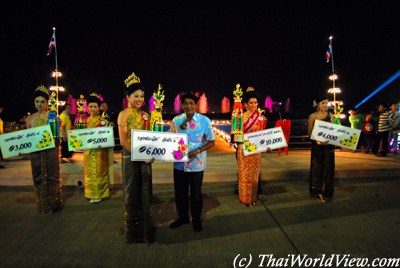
(55,47)
(56,70)
(333,73)
(331,44)
(56,73)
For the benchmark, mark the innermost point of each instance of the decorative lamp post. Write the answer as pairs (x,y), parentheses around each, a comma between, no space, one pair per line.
(56,74)
(336,104)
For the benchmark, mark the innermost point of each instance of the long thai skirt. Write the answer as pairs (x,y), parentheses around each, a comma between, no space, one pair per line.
(248,173)
(137,195)
(46,180)
(96,173)
(322,170)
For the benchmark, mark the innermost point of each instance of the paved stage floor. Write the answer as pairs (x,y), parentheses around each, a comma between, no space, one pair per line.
(363,221)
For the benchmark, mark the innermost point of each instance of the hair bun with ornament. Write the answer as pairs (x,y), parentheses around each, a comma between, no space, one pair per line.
(132,83)
(94,97)
(42,91)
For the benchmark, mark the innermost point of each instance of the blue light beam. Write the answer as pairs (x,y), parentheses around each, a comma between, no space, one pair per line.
(387,82)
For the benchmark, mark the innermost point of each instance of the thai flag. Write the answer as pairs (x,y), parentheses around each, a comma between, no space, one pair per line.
(328,53)
(52,44)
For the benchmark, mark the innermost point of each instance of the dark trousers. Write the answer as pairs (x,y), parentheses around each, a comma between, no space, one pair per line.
(64,150)
(369,140)
(182,182)
(381,136)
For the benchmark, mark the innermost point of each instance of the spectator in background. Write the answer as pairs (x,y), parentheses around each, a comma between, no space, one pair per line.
(375,120)
(1,132)
(105,113)
(394,132)
(65,125)
(357,122)
(384,126)
(369,133)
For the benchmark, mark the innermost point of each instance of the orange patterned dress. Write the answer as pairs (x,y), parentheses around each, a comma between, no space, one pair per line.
(249,166)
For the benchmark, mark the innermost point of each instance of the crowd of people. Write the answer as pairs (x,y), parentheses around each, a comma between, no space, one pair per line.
(377,130)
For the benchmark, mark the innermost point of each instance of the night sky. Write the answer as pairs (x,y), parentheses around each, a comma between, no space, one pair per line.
(278,47)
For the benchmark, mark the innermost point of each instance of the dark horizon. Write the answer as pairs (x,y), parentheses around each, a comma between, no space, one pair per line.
(278,48)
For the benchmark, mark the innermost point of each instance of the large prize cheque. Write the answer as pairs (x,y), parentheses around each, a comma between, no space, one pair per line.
(90,138)
(162,146)
(260,141)
(26,141)
(338,135)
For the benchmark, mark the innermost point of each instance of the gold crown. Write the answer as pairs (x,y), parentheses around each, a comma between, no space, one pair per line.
(249,89)
(132,79)
(43,89)
(94,94)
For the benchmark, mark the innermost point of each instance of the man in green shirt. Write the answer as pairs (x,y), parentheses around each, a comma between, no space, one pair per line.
(357,121)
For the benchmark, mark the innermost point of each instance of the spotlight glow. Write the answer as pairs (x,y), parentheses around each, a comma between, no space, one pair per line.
(387,82)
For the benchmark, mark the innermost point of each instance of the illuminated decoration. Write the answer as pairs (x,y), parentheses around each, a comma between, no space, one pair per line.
(80,121)
(335,104)
(237,116)
(156,122)
(386,83)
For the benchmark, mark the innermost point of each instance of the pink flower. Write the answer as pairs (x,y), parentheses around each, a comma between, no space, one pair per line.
(192,125)
(178,155)
(181,141)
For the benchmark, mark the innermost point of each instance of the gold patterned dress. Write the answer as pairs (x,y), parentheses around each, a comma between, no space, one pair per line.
(137,180)
(249,166)
(46,175)
(96,165)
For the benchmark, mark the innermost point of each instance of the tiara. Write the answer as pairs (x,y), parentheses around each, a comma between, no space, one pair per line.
(250,89)
(132,79)
(43,89)
(94,94)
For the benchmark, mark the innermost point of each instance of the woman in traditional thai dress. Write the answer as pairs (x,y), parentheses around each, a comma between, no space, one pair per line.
(249,166)
(45,164)
(322,167)
(96,160)
(136,175)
